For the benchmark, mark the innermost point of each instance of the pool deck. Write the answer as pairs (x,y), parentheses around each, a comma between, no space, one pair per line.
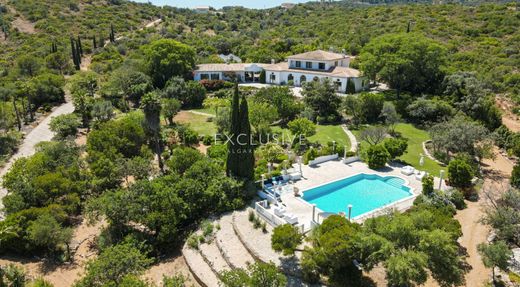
(334,170)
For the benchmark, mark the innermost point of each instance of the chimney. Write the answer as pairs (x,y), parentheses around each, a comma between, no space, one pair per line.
(331,49)
(273,61)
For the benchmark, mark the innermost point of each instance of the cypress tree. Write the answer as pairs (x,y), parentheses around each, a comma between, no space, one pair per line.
(75,58)
(80,47)
(4,29)
(112,34)
(54,47)
(232,159)
(94,42)
(246,162)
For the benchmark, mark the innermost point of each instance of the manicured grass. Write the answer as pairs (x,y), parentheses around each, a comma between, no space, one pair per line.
(198,123)
(412,156)
(415,138)
(328,133)
(324,134)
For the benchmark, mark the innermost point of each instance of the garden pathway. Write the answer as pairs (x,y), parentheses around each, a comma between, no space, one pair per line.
(353,141)
(40,133)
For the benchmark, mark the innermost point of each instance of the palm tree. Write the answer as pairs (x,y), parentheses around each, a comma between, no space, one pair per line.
(151,105)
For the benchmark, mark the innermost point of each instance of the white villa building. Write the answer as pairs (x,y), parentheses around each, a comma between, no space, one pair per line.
(298,69)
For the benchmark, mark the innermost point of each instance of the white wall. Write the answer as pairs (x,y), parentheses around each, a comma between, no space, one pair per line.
(283,78)
(221,75)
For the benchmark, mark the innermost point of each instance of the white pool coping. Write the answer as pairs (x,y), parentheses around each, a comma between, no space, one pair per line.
(371,212)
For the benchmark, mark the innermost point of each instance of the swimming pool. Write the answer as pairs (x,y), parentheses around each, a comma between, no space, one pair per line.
(365,192)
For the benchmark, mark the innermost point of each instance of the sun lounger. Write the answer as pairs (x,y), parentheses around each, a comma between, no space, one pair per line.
(295,176)
(420,174)
(408,170)
(290,218)
(279,211)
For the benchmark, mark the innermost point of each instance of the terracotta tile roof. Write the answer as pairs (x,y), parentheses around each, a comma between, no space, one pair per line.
(341,72)
(318,55)
(232,67)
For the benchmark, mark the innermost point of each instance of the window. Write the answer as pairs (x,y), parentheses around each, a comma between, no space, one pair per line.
(290,78)
(204,76)
(298,64)
(215,76)
(303,79)
(273,77)
(336,64)
(338,84)
(321,66)
(308,65)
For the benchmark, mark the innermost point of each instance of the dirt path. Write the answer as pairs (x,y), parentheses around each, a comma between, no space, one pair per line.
(509,119)
(496,173)
(65,275)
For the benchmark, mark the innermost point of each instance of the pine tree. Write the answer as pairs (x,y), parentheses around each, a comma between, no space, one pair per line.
(246,163)
(232,159)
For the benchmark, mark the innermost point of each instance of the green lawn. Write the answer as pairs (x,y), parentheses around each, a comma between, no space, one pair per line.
(328,133)
(415,138)
(324,134)
(198,123)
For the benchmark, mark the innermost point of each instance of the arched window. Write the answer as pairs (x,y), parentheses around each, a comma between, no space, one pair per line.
(290,78)
(303,79)
(273,77)
(316,79)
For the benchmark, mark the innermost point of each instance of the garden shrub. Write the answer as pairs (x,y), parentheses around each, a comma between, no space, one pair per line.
(427,185)
(457,198)
(460,173)
(395,147)
(515,176)
(286,239)
(377,156)
(215,85)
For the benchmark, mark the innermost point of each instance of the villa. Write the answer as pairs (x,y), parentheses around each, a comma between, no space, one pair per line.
(298,69)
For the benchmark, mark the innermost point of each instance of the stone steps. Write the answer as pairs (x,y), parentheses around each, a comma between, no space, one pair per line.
(258,244)
(200,269)
(232,249)
(211,253)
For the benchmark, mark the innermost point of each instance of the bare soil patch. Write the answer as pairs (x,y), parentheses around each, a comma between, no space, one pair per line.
(509,119)
(62,275)
(24,26)
(170,266)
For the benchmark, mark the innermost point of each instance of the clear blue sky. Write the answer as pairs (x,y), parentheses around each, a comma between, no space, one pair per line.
(219,3)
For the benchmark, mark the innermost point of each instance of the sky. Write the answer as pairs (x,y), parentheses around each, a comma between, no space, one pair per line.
(259,4)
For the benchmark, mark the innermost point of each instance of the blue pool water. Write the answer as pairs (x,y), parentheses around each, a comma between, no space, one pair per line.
(365,192)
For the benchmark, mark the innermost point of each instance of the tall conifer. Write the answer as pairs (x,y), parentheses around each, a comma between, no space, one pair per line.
(246,162)
(232,160)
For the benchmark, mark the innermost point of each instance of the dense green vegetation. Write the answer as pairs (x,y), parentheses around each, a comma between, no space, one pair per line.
(140,170)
